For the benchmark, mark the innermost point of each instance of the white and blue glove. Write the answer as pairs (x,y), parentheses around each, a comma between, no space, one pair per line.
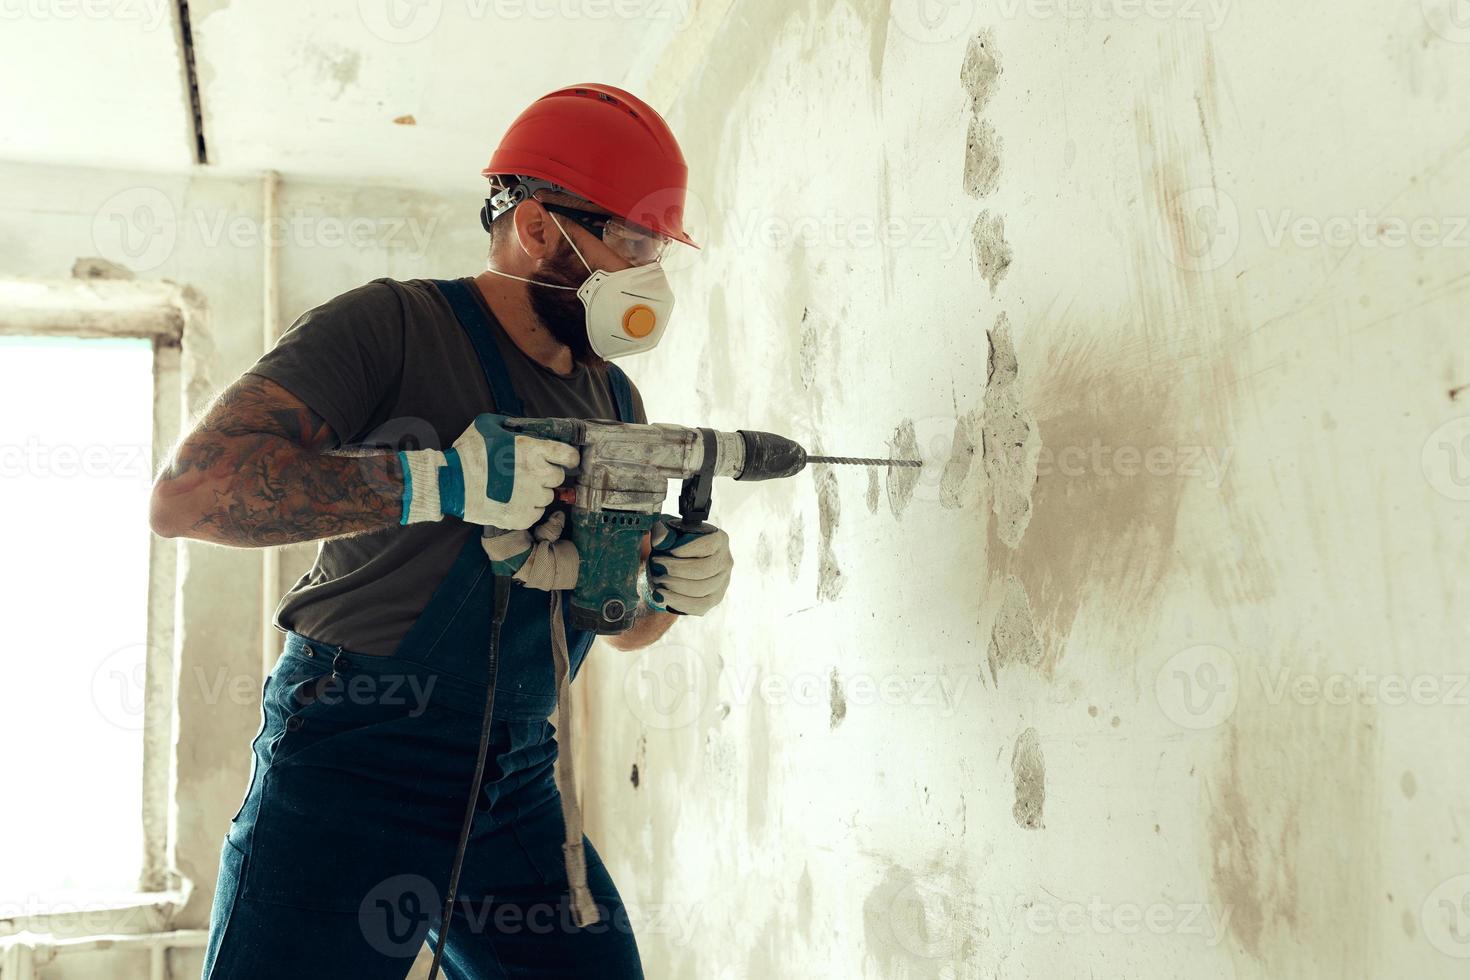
(491,476)
(687,572)
(539,558)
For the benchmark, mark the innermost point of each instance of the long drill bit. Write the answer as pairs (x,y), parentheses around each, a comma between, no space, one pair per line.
(859,461)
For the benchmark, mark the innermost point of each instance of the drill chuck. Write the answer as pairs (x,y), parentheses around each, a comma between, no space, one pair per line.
(770,457)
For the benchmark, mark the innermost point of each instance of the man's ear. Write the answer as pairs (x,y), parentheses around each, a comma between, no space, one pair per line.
(535,232)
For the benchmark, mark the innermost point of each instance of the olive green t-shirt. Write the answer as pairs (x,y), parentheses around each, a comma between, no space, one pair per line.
(389,368)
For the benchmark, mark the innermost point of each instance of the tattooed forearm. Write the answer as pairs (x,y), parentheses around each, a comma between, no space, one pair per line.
(259,469)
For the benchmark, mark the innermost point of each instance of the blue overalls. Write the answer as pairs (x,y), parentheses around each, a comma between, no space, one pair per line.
(337,863)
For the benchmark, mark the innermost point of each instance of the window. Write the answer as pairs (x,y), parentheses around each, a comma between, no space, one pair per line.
(76,434)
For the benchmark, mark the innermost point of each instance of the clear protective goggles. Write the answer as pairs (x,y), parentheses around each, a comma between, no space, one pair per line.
(632,242)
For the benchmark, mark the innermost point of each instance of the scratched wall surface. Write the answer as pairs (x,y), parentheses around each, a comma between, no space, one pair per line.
(1158,667)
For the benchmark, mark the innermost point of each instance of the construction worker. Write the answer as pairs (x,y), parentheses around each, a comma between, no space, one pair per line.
(374,427)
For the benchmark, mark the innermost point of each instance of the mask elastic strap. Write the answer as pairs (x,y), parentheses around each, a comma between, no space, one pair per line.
(551,285)
(570,242)
(534,282)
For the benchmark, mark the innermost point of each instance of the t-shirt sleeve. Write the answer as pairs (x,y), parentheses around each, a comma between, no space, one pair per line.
(344,359)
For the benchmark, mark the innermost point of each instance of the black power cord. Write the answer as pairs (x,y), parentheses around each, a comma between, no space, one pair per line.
(502,601)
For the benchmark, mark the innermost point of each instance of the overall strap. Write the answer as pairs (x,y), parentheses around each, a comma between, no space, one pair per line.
(472,318)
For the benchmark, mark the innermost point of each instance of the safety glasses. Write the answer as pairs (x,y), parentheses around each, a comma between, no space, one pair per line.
(632,242)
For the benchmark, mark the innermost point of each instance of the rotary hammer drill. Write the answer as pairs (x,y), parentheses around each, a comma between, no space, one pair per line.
(616,493)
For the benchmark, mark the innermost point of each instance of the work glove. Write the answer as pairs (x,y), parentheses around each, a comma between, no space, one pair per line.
(537,558)
(687,573)
(491,476)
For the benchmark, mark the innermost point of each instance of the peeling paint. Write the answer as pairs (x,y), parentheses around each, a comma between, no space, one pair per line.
(980,70)
(96,267)
(961,460)
(982,158)
(921,926)
(795,546)
(1010,440)
(978,76)
(902,479)
(763,555)
(1013,638)
(837,699)
(340,66)
(871,497)
(829,512)
(992,251)
(808,357)
(1028,770)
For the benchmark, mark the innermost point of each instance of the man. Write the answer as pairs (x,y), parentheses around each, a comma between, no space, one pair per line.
(373,426)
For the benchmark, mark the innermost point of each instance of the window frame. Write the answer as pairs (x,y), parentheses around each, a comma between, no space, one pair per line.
(161,313)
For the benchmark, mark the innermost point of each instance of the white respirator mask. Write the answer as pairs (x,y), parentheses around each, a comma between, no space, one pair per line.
(627,310)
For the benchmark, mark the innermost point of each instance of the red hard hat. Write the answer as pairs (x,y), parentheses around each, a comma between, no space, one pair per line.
(605,145)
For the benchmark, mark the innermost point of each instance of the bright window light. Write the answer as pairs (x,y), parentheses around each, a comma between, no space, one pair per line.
(75,432)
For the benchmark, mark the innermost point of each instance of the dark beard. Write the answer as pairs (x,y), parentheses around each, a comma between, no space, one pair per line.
(561,310)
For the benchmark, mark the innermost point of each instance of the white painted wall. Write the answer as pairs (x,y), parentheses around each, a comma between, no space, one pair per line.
(841,771)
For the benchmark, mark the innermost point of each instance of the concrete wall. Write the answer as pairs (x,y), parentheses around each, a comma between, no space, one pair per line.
(1158,668)
(207,233)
